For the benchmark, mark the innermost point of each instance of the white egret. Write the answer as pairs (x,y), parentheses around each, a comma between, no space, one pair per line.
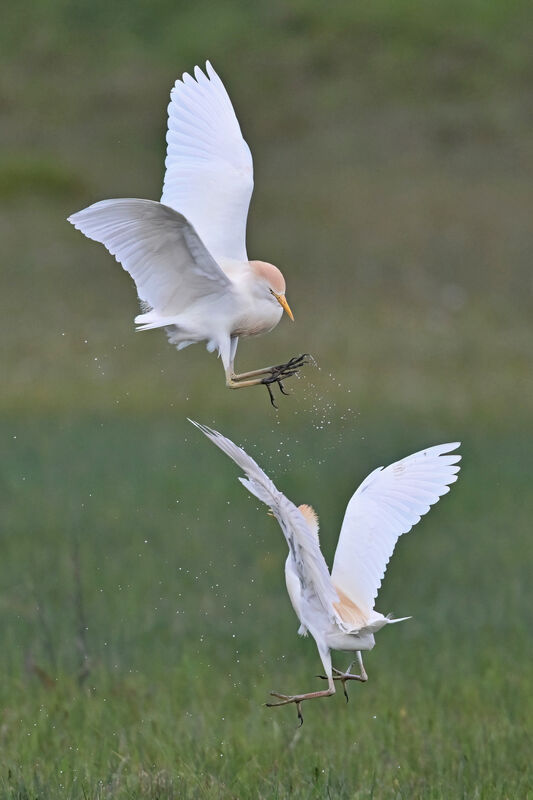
(338,609)
(187,254)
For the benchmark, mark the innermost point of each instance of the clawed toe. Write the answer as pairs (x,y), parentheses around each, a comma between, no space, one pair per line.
(268,376)
(299,698)
(285,699)
(344,677)
(282,372)
(292,366)
(267,384)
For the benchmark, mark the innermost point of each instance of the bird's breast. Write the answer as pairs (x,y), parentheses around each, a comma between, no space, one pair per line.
(254,317)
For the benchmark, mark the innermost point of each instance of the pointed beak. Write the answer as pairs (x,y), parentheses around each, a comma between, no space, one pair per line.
(283,303)
(270,512)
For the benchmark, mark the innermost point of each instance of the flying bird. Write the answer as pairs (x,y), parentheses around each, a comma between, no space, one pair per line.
(187,254)
(337,609)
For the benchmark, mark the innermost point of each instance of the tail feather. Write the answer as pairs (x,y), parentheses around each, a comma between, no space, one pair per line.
(151,319)
(391,621)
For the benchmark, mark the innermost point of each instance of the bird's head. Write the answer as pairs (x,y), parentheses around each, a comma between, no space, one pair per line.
(271,283)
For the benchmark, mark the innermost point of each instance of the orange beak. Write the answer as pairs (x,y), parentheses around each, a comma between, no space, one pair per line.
(283,303)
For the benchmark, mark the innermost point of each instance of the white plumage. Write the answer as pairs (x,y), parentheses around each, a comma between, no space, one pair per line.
(187,254)
(160,249)
(209,169)
(338,610)
(387,504)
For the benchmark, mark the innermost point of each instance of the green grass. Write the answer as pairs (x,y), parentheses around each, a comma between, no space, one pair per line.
(393,169)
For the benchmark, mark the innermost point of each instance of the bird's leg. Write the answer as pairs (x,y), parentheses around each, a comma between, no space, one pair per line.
(266,376)
(347,676)
(299,698)
(363,676)
(274,372)
(231,383)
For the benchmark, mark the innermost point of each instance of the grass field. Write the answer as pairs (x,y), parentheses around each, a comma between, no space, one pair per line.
(143,613)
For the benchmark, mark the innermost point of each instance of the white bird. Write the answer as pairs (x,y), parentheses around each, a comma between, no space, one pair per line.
(338,609)
(187,254)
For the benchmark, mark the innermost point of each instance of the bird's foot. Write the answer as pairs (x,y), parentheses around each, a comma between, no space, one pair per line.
(285,700)
(281,372)
(268,376)
(346,676)
(298,699)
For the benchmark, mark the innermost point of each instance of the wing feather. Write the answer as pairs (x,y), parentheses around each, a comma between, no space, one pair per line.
(310,564)
(209,169)
(159,248)
(386,505)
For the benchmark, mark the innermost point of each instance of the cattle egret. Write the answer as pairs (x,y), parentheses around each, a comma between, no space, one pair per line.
(187,254)
(338,609)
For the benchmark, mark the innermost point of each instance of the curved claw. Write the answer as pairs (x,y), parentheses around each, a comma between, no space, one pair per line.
(285,699)
(275,376)
(298,699)
(292,366)
(282,372)
(344,677)
(271,395)
(296,362)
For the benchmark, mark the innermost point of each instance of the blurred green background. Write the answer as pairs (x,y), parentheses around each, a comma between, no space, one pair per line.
(143,614)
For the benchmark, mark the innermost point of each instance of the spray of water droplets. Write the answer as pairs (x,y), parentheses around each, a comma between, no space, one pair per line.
(321,404)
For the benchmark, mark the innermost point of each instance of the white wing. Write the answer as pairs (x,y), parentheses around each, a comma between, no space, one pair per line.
(209,169)
(388,503)
(310,564)
(159,248)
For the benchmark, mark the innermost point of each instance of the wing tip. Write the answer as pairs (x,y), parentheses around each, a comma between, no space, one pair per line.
(453,446)
(216,437)
(199,74)
(444,448)
(449,447)
(204,428)
(77,215)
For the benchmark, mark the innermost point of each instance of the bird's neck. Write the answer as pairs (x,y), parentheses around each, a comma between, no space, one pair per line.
(235,270)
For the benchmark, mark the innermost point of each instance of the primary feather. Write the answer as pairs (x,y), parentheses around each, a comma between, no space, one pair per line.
(302,541)
(159,248)
(209,169)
